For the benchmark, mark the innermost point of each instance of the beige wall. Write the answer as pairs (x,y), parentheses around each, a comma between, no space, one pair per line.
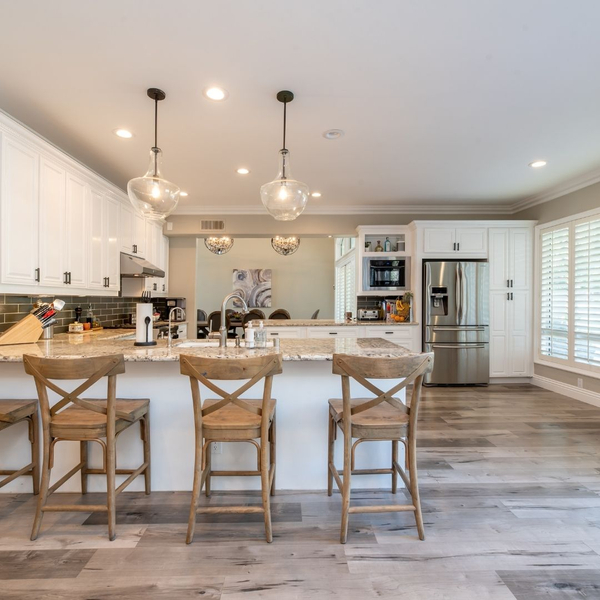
(302,282)
(182,276)
(571,204)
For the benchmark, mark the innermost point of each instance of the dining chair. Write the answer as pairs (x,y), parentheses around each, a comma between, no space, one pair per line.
(280,313)
(381,418)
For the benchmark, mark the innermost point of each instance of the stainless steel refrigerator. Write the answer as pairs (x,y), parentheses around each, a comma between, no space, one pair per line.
(456,321)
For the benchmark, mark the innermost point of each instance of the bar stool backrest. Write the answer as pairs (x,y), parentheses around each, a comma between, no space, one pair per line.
(410,369)
(206,370)
(45,370)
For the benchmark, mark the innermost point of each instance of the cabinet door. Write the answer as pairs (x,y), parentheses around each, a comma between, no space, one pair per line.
(499,331)
(498,257)
(331,332)
(436,239)
(77,234)
(519,322)
(52,224)
(126,228)
(285,332)
(19,197)
(471,240)
(139,233)
(151,283)
(520,258)
(111,239)
(96,244)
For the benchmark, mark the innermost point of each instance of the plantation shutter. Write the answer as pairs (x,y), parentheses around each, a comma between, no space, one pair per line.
(587,292)
(554,309)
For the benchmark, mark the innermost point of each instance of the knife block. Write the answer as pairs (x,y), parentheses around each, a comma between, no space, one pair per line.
(25,331)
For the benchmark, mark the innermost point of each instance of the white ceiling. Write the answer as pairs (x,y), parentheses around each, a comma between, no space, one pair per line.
(443,102)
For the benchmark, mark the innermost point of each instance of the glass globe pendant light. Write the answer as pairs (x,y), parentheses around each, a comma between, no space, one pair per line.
(285,246)
(284,197)
(152,195)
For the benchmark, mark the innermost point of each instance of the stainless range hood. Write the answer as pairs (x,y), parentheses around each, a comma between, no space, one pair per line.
(134,266)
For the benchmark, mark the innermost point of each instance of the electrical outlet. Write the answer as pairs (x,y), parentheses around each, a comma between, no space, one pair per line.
(579,382)
(216,447)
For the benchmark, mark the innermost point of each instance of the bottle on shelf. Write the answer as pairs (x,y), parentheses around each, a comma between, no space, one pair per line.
(387,245)
(379,247)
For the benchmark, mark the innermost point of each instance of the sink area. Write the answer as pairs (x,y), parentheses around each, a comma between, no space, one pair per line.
(212,344)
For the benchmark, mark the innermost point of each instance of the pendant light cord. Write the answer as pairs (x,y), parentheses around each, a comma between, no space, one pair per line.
(155,134)
(284,128)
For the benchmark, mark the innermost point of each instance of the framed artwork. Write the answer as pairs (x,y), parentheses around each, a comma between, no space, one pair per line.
(254,286)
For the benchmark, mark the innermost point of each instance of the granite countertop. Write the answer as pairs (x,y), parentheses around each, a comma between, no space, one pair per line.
(324,323)
(86,345)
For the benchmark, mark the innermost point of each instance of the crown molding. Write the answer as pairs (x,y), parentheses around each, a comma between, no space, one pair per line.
(400,209)
(566,187)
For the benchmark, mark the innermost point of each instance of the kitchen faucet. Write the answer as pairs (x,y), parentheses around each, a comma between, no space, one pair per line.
(174,309)
(223,327)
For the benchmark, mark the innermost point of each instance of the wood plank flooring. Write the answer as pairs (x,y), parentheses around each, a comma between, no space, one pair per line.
(510,484)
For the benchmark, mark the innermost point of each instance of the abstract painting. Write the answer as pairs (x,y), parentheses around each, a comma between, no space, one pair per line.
(254,286)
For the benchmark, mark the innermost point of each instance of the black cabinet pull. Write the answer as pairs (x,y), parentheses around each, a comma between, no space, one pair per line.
(154,287)
(508,295)
(511,283)
(508,283)
(108,282)
(389,333)
(458,246)
(37,274)
(135,248)
(66,277)
(274,333)
(333,333)
(69,277)
(511,296)
(454,247)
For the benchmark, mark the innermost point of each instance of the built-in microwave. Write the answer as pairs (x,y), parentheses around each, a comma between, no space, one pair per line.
(390,274)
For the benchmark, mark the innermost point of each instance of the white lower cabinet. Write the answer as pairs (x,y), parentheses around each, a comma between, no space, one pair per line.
(403,337)
(397,334)
(331,332)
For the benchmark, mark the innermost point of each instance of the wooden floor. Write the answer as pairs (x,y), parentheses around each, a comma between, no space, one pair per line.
(510,483)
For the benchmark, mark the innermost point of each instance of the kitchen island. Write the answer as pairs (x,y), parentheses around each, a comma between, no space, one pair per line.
(302,391)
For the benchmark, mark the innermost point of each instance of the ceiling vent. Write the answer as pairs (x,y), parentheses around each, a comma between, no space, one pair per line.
(212,226)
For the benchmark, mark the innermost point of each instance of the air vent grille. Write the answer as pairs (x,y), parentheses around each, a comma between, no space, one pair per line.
(212,226)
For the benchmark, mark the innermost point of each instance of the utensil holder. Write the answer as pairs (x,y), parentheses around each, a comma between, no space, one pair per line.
(26,331)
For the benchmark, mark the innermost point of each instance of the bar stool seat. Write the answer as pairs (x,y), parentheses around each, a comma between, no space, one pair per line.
(230,421)
(374,423)
(77,420)
(13,411)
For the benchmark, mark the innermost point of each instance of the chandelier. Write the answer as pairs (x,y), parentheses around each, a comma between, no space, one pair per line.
(219,245)
(285,246)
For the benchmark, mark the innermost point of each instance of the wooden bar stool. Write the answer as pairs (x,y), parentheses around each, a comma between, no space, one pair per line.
(233,419)
(381,418)
(73,418)
(17,411)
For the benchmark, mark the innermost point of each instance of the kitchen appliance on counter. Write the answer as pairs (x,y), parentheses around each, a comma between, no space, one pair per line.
(369,314)
(456,321)
(178,315)
(391,274)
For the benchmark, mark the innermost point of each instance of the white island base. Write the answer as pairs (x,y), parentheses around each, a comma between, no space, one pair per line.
(302,392)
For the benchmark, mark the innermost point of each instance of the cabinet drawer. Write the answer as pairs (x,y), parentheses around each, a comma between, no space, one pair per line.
(331,332)
(389,333)
(284,332)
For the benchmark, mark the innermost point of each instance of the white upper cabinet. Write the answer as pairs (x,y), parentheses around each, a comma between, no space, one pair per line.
(510,258)
(53,272)
(111,238)
(19,209)
(77,227)
(443,241)
(96,246)
(105,257)
(132,231)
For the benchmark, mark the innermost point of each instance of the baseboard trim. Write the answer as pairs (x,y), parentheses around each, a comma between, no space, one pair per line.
(501,380)
(566,389)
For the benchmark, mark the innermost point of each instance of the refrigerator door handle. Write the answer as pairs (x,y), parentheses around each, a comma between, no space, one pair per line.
(457,297)
(460,347)
(463,328)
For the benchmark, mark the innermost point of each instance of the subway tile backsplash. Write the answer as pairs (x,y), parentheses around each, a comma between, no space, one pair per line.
(109,311)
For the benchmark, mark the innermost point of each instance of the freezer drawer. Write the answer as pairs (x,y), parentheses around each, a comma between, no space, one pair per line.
(458,364)
(457,335)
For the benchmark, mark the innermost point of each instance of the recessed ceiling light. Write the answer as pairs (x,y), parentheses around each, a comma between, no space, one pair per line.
(215,93)
(333,134)
(243,171)
(183,194)
(536,164)
(316,194)
(123,133)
